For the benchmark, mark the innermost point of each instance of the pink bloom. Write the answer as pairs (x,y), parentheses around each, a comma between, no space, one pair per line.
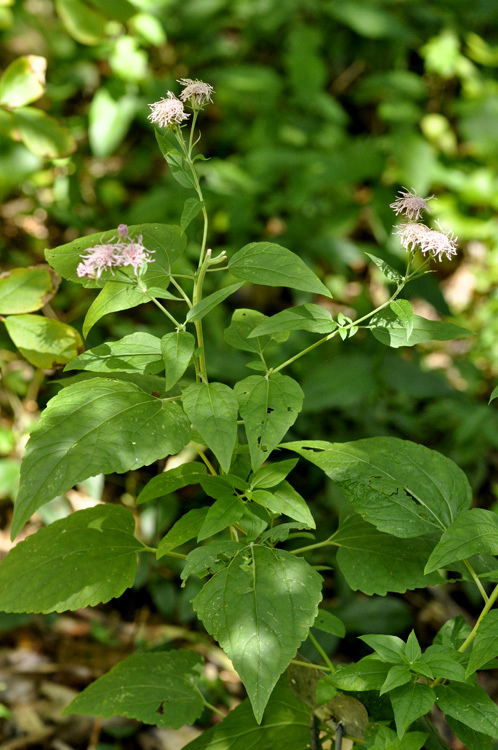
(437,243)
(136,255)
(409,204)
(98,259)
(167,112)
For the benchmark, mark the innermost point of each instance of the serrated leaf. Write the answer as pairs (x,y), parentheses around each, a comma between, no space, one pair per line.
(244,321)
(260,609)
(403,311)
(190,210)
(376,563)
(202,308)
(43,135)
(283,499)
(474,531)
(209,559)
(409,702)
(329,623)
(25,290)
(212,409)
(88,429)
(272,265)
(79,561)
(44,342)
(388,271)
(156,688)
(167,242)
(268,406)
(312,318)
(281,532)
(23,81)
(186,528)
(285,724)
(223,512)
(403,488)
(485,645)
(137,352)
(367,674)
(177,349)
(172,480)
(469,704)
(272,474)
(389,330)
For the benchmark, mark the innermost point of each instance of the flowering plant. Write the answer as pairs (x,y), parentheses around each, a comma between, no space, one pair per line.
(406,521)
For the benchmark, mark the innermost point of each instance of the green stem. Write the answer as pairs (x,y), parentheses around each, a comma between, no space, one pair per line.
(491,600)
(143,289)
(476,580)
(326,543)
(179,289)
(321,651)
(210,705)
(309,666)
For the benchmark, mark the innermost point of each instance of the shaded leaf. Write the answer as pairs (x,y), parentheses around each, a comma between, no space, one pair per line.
(209,559)
(172,480)
(312,318)
(202,308)
(186,528)
(82,560)
(469,704)
(474,531)
(212,409)
(108,426)
(43,135)
(272,474)
(485,646)
(389,330)
(137,352)
(177,349)
(190,210)
(244,321)
(283,499)
(388,271)
(272,265)
(409,702)
(367,674)
(156,688)
(329,623)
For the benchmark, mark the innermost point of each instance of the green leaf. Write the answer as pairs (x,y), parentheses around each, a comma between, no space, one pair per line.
(471,739)
(25,290)
(90,428)
(389,330)
(285,724)
(137,352)
(367,674)
(386,739)
(209,559)
(197,312)
(281,532)
(485,645)
(156,688)
(268,406)
(224,512)
(329,623)
(186,528)
(260,609)
(244,321)
(272,474)
(402,488)
(23,81)
(109,120)
(84,559)
(388,271)
(172,480)
(442,661)
(44,342)
(43,135)
(494,394)
(376,563)
(403,311)
(272,265)
(119,10)
(389,648)
(283,499)
(312,318)
(409,702)
(177,349)
(469,704)
(84,24)
(175,160)
(398,675)
(212,409)
(167,242)
(413,650)
(190,210)
(474,531)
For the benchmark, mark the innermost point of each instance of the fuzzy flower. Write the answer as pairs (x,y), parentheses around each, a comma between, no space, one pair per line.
(437,243)
(136,255)
(197,92)
(167,112)
(409,204)
(99,258)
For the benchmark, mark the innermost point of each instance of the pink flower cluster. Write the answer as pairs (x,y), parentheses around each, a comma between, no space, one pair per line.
(415,236)
(169,112)
(123,251)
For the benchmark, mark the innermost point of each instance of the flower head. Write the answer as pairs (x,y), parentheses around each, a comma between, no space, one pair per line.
(196,92)
(136,255)
(437,243)
(98,259)
(114,254)
(411,205)
(167,112)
